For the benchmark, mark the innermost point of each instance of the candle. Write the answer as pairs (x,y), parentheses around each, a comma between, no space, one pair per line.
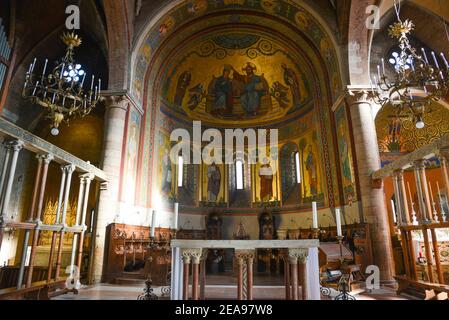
(99,86)
(35,88)
(435,59)
(409,192)
(425,55)
(431,192)
(176,213)
(92,84)
(445,60)
(62,71)
(315,215)
(82,82)
(338,219)
(153,224)
(32,66)
(45,68)
(378,72)
(383,66)
(393,209)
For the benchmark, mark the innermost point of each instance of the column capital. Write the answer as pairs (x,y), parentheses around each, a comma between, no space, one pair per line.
(243,256)
(359,95)
(298,254)
(69,169)
(420,164)
(86,177)
(45,157)
(15,145)
(117,101)
(193,255)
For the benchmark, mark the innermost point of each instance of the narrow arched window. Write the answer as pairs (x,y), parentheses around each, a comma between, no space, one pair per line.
(239,174)
(298,167)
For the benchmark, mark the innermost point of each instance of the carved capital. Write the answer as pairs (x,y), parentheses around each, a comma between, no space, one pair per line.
(117,101)
(15,145)
(420,164)
(355,95)
(191,255)
(295,255)
(245,256)
(69,169)
(86,177)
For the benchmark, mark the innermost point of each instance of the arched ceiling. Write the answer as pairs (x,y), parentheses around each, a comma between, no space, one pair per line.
(186,23)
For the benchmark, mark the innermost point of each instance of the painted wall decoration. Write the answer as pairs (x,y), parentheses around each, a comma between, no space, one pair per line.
(131,156)
(291,193)
(192,9)
(243,78)
(345,155)
(165,168)
(401,135)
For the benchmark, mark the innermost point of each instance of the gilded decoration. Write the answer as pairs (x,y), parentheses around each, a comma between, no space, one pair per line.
(244,78)
(401,135)
(190,10)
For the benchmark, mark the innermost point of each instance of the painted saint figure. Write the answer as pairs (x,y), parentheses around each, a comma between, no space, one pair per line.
(166,173)
(183,83)
(214,182)
(253,89)
(311,167)
(343,146)
(291,80)
(266,181)
(221,90)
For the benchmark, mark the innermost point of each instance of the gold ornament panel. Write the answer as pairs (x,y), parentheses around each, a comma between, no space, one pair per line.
(236,78)
(403,136)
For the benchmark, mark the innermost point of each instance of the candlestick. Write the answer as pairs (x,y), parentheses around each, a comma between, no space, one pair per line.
(176,217)
(338,219)
(153,224)
(315,215)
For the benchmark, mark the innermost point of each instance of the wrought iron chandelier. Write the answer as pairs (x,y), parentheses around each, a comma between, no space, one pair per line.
(62,91)
(418,82)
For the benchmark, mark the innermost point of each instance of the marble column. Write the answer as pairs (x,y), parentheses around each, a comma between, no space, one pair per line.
(398,200)
(372,195)
(298,264)
(13,149)
(116,111)
(30,218)
(403,198)
(191,256)
(445,174)
(69,171)
(245,261)
(88,178)
(47,159)
(288,288)
(422,190)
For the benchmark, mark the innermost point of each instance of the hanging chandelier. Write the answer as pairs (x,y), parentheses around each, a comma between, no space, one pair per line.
(420,79)
(61,91)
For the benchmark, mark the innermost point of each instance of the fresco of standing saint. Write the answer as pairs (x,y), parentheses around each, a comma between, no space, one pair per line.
(311,167)
(166,173)
(297,87)
(183,83)
(214,182)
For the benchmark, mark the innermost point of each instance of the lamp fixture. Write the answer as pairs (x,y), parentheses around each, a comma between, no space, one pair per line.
(62,91)
(419,80)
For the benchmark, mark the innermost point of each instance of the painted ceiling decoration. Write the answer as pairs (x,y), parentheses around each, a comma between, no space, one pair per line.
(244,79)
(191,12)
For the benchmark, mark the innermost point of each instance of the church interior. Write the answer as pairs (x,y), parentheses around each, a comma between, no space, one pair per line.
(224,149)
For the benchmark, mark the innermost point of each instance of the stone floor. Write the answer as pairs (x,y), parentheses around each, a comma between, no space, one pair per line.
(265,288)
